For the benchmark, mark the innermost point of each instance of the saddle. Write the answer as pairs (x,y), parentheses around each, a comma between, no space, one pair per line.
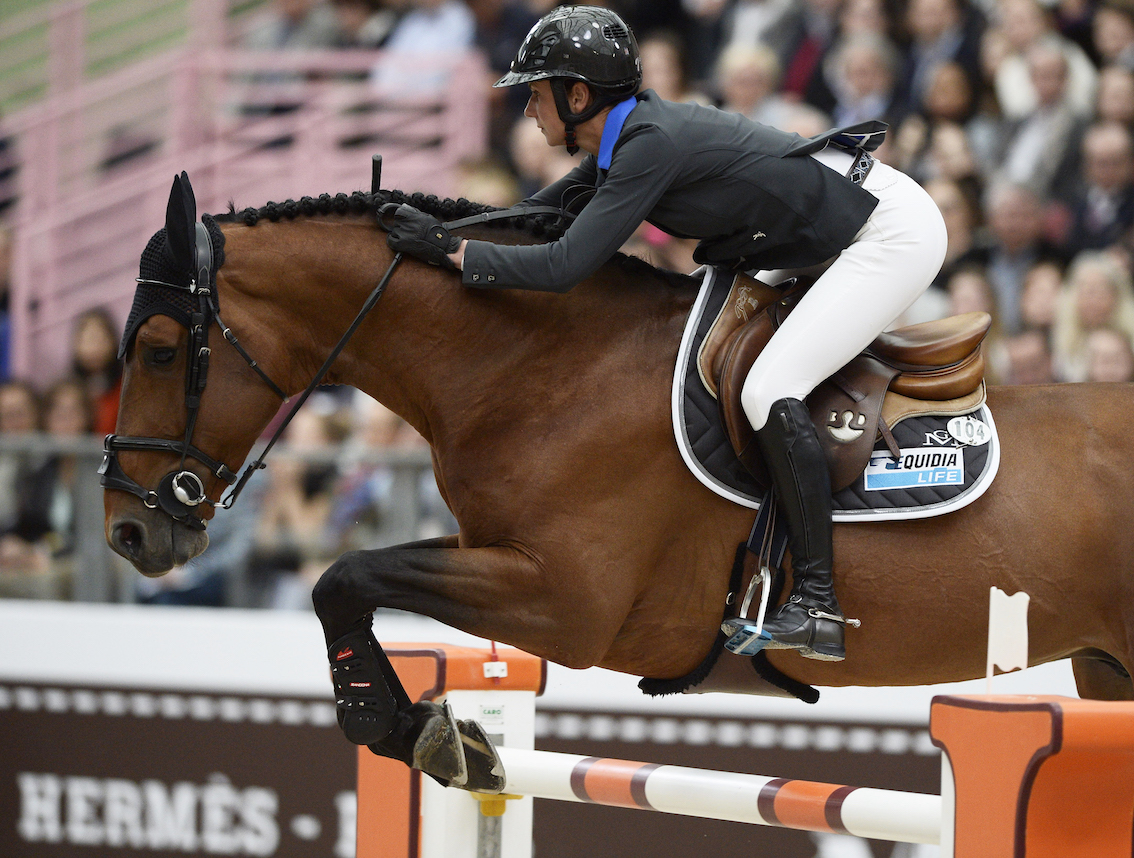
(930,368)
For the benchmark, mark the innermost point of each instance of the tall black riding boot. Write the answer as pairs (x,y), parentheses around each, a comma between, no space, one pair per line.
(810,621)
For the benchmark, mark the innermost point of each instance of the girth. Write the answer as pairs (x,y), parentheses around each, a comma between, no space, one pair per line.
(933,367)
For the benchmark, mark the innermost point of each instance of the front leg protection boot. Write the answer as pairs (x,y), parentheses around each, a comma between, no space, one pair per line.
(367,711)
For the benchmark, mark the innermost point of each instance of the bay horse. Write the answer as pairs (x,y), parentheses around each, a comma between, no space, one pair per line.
(583,536)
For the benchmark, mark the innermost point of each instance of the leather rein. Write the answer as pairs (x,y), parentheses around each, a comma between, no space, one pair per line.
(181,491)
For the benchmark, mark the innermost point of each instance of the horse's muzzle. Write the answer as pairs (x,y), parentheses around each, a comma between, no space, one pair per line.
(153,542)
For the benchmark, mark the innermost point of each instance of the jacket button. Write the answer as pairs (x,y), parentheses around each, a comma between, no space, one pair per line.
(491,278)
(475,277)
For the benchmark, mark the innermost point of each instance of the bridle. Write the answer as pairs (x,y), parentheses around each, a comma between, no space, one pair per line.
(181,491)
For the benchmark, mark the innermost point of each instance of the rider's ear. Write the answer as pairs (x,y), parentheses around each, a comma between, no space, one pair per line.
(579,97)
(180,217)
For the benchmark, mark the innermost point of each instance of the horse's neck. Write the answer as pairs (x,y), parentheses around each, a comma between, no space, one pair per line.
(445,358)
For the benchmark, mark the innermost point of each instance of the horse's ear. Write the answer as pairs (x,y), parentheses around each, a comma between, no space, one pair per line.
(180,220)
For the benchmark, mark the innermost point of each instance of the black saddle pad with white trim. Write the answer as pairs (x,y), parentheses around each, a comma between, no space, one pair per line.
(939,471)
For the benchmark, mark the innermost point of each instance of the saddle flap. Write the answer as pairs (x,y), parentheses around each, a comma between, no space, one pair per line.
(739,353)
(746,299)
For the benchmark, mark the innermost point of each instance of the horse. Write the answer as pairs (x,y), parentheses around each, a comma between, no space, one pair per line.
(583,537)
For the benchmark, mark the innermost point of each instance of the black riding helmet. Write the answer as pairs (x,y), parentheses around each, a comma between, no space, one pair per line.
(586,43)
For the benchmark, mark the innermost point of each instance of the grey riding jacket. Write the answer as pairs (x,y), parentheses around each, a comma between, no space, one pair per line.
(744,189)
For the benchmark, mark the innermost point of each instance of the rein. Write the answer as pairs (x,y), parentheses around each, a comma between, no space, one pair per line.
(179,492)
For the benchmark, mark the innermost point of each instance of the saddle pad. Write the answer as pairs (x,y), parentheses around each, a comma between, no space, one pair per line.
(937,473)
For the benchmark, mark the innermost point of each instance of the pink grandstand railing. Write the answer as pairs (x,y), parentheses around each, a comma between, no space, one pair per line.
(97,157)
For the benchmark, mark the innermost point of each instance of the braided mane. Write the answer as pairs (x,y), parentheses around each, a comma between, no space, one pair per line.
(544,227)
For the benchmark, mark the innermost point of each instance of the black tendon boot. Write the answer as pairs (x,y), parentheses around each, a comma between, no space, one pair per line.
(810,621)
(366,706)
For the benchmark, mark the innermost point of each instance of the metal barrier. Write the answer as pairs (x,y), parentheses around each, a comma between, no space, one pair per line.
(101,576)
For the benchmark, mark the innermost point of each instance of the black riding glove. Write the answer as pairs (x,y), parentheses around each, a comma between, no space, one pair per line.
(421,235)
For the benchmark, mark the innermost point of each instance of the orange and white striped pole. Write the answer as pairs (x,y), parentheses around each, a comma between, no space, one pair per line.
(879,814)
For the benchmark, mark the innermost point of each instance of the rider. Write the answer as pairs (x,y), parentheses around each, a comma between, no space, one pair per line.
(758,199)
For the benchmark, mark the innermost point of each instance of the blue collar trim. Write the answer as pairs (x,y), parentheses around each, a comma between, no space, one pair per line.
(613,127)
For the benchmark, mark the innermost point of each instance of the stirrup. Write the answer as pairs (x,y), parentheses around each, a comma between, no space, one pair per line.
(745,636)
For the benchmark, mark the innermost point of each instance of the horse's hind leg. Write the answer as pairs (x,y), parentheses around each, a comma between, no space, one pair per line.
(1101,679)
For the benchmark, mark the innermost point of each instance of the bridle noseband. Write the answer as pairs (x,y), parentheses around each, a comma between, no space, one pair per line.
(181,491)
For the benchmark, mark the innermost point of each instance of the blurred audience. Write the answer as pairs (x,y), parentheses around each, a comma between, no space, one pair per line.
(940,31)
(1040,143)
(1113,32)
(665,69)
(1110,356)
(1017,116)
(1102,208)
(1015,242)
(292,25)
(369,505)
(1027,24)
(747,77)
(19,415)
(1098,294)
(5,300)
(297,501)
(1040,297)
(362,24)
(1028,359)
(1115,99)
(863,73)
(424,35)
(37,552)
(94,362)
(803,37)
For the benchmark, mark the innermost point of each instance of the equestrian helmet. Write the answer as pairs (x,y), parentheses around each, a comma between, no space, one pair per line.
(587,43)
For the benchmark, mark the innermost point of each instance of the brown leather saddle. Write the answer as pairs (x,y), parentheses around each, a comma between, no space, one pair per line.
(931,368)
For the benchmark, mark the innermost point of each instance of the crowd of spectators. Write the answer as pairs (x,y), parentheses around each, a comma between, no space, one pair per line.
(1017,116)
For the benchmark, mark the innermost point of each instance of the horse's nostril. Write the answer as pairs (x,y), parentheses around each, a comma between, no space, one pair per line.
(127,539)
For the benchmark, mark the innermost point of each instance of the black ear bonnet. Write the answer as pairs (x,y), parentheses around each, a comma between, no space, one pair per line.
(158,263)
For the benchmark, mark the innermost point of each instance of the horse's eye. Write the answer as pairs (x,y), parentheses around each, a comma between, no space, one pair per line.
(162,357)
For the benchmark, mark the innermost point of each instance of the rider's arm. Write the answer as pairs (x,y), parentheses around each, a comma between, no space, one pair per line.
(644,166)
(560,193)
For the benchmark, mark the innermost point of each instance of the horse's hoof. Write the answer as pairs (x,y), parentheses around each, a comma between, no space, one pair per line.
(486,770)
(439,752)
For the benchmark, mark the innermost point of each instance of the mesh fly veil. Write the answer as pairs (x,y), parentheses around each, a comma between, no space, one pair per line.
(153,300)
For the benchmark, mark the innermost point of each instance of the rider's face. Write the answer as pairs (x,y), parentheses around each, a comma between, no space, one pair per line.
(541,108)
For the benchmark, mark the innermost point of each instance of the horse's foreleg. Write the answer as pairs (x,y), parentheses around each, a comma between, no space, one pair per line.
(373,706)
(341,597)
(496,592)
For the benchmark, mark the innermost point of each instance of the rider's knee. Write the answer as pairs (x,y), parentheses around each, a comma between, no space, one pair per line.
(756,398)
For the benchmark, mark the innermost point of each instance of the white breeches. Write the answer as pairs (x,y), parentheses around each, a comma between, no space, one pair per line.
(893,259)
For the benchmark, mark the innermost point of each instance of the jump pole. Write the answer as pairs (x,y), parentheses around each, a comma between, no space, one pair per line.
(1022,777)
(880,814)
